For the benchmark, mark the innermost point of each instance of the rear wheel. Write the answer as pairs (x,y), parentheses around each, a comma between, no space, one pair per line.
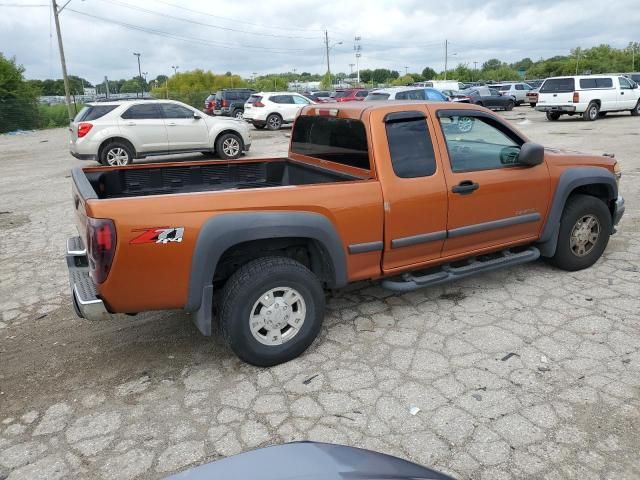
(116,154)
(229,146)
(274,121)
(553,116)
(271,310)
(532,105)
(509,106)
(636,110)
(584,233)
(592,111)
(238,114)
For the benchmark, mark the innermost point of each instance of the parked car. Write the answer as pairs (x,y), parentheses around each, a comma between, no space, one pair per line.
(273,109)
(516,90)
(591,96)
(375,196)
(532,97)
(351,95)
(441,84)
(313,98)
(117,132)
(322,94)
(407,93)
(633,76)
(228,102)
(535,83)
(486,97)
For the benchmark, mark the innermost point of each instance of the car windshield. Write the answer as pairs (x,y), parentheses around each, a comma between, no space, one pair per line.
(558,85)
(377,96)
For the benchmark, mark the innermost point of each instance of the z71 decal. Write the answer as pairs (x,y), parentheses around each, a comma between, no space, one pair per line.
(158,235)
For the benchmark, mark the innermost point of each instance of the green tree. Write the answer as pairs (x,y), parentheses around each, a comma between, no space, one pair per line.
(492,64)
(18,98)
(404,80)
(429,73)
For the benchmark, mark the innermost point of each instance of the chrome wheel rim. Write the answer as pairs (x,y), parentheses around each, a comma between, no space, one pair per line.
(238,114)
(277,316)
(465,124)
(593,112)
(231,147)
(274,122)
(117,156)
(584,235)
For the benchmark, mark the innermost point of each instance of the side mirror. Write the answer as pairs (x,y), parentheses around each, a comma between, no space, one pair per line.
(196,116)
(531,154)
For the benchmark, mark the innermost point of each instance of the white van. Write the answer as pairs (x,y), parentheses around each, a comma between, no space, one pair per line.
(441,84)
(591,96)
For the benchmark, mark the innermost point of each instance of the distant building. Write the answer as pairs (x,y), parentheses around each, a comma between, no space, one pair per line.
(89,91)
(303,86)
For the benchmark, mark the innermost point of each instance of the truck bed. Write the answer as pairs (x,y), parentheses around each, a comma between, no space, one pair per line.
(160,180)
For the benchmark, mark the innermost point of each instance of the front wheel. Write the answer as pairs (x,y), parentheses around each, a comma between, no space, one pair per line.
(229,146)
(238,114)
(584,233)
(271,310)
(636,110)
(592,112)
(509,107)
(274,122)
(553,116)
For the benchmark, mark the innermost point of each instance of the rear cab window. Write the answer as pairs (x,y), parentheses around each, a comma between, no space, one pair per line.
(339,140)
(603,82)
(93,112)
(254,99)
(558,85)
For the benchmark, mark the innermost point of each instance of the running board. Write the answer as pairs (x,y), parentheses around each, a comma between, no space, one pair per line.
(449,273)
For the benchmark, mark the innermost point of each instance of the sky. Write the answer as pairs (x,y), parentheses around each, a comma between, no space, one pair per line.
(270,36)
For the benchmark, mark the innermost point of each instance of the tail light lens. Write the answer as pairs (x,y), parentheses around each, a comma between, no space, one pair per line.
(576,97)
(225,103)
(258,104)
(84,128)
(101,242)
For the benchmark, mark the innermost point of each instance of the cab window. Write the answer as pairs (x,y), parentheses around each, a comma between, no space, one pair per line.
(410,145)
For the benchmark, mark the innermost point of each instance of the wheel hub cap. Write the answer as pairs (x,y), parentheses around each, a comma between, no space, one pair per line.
(584,235)
(277,316)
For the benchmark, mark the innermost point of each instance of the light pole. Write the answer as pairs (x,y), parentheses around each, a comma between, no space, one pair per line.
(175,69)
(63,62)
(329,48)
(139,74)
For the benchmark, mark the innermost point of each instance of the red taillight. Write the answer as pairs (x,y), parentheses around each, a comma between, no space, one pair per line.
(208,105)
(576,97)
(225,103)
(84,128)
(258,104)
(101,239)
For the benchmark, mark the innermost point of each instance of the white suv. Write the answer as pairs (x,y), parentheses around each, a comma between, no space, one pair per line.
(591,96)
(114,133)
(273,109)
(517,90)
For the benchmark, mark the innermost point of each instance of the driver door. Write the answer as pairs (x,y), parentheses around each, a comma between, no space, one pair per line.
(493,201)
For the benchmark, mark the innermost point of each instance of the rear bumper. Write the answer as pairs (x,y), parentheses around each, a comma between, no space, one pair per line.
(618,210)
(556,108)
(83,290)
(84,156)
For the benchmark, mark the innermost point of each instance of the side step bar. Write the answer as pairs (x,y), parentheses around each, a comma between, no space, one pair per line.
(449,273)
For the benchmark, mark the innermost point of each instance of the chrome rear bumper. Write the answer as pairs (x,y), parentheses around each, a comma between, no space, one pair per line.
(86,302)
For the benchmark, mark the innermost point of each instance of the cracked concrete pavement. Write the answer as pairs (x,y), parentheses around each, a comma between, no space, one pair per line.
(529,372)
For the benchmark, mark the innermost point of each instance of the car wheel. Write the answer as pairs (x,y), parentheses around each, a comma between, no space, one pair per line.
(465,124)
(116,154)
(636,111)
(591,113)
(271,310)
(274,122)
(532,105)
(509,106)
(553,116)
(229,146)
(238,114)
(584,233)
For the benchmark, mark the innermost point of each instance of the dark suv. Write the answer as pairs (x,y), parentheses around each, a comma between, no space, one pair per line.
(228,102)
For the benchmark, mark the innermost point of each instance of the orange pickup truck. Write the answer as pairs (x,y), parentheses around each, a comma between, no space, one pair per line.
(413,193)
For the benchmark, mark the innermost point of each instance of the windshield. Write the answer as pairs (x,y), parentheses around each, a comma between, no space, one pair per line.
(558,85)
(377,96)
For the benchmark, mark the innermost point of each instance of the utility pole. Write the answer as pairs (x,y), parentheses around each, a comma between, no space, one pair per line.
(577,59)
(633,57)
(175,69)
(446,57)
(326,45)
(65,78)
(406,71)
(358,49)
(139,75)
(351,65)
(106,87)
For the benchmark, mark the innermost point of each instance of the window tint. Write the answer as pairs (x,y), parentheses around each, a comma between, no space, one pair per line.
(476,143)
(558,85)
(254,98)
(494,92)
(300,100)
(338,140)
(377,96)
(503,88)
(411,148)
(519,87)
(175,111)
(282,99)
(624,83)
(341,94)
(93,112)
(143,111)
(411,95)
(435,96)
(362,93)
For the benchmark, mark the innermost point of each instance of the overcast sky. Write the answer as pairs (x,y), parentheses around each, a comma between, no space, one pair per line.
(266,36)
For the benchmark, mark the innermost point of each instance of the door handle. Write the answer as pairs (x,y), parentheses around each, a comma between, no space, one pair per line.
(131,124)
(621,93)
(465,187)
(171,124)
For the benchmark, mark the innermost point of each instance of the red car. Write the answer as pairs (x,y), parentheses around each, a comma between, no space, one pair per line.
(351,95)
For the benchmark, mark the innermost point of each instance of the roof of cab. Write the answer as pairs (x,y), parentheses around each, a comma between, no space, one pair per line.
(356,110)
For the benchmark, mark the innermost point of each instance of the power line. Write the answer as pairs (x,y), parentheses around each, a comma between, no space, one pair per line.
(204,24)
(22,5)
(235,20)
(194,39)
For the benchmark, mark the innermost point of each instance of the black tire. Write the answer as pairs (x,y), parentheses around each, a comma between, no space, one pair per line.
(636,111)
(509,106)
(553,116)
(592,112)
(113,154)
(237,113)
(532,105)
(229,146)
(274,122)
(579,207)
(259,126)
(246,287)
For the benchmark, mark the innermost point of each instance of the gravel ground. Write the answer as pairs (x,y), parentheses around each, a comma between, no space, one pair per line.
(523,373)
